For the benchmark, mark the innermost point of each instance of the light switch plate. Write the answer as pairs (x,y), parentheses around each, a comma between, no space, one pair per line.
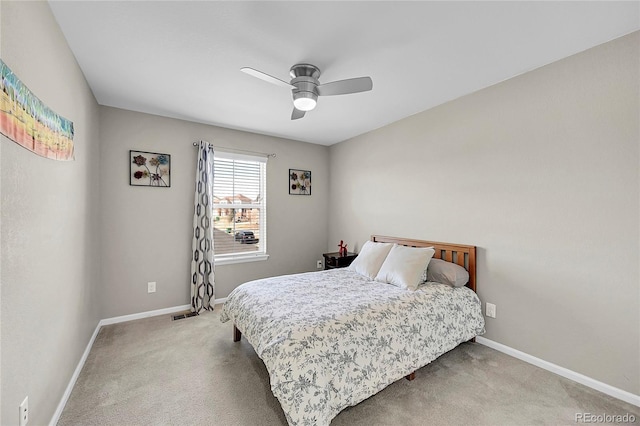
(491,310)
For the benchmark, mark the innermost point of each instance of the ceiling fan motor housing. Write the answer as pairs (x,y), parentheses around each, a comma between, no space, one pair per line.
(305,79)
(305,70)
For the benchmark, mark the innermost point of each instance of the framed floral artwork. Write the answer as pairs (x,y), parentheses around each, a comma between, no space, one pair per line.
(149,169)
(299,182)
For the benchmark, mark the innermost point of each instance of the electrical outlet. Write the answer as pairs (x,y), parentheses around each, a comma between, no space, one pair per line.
(319,264)
(24,412)
(151,287)
(491,310)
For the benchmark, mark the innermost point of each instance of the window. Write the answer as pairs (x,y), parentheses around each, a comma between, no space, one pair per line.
(239,207)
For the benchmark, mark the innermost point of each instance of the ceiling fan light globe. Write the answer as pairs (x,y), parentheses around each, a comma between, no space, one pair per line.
(304,104)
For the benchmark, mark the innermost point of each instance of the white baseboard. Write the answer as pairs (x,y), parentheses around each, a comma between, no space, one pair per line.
(155,313)
(564,372)
(74,378)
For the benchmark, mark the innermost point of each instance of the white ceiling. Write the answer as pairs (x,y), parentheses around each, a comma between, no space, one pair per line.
(182,59)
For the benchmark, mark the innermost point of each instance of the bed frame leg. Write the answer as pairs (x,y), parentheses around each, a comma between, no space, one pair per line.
(411,376)
(236,334)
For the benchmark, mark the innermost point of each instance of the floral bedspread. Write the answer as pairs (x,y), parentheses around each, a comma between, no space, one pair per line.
(331,339)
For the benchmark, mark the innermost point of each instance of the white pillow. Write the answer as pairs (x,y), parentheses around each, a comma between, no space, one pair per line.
(423,278)
(449,273)
(403,266)
(370,258)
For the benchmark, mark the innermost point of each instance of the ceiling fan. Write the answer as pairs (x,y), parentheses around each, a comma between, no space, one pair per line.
(306,88)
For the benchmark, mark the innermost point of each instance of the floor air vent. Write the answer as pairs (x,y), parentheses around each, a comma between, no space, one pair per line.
(182,316)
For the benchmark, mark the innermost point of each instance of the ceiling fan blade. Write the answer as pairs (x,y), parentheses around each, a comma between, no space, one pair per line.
(343,87)
(266,77)
(296,113)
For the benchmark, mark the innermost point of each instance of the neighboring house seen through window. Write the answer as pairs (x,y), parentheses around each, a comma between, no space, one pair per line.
(239,207)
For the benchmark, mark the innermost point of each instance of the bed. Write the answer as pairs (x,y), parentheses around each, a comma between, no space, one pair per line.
(331,339)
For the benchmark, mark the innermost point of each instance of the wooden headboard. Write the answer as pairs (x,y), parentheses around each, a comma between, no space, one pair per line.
(463,255)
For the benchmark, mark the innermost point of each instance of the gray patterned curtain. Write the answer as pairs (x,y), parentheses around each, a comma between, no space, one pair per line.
(202,268)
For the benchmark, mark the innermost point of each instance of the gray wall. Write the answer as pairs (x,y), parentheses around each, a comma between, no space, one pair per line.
(50,263)
(541,173)
(146,232)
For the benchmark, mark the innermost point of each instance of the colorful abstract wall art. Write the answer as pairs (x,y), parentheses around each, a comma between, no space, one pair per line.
(149,169)
(27,121)
(299,182)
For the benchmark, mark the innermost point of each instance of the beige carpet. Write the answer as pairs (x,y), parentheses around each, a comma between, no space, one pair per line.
(189,372)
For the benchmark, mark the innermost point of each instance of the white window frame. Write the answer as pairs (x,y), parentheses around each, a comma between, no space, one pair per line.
(261,255)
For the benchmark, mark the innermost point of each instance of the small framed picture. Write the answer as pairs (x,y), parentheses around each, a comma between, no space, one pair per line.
(149,169)
(299,182)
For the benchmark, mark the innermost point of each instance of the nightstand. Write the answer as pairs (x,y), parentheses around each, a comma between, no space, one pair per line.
(334,260)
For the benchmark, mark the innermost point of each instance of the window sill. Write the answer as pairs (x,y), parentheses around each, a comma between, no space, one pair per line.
(240,259)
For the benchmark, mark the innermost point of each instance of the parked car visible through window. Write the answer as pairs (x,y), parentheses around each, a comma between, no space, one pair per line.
(246,237)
